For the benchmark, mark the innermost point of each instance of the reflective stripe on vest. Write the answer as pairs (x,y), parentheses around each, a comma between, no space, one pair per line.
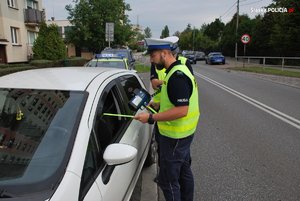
(184,126)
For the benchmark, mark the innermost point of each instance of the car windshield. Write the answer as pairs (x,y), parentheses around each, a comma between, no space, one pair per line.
(36,128)
(107,63)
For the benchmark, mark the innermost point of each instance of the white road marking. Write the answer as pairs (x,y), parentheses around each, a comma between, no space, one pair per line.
(280,115)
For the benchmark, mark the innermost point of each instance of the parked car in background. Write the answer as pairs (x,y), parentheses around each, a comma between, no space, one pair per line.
(125,53)
(200,55)
(58,144)
(109,61)
(215,58)
(190,55)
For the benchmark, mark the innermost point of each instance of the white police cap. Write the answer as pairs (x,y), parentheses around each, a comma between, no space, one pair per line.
(169,43)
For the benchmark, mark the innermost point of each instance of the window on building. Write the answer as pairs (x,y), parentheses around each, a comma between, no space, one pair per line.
(11,3)
(67,28)
(31,37)
(32,4)
(59,29)
(14,35)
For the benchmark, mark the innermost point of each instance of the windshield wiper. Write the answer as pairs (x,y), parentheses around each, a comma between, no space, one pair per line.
(5,194)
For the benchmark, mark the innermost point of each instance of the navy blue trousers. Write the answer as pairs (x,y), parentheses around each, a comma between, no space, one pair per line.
(175,175)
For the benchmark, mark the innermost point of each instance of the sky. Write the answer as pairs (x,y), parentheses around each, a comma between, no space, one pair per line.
(176,14)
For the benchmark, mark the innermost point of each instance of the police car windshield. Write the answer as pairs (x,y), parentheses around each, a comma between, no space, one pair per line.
(107,63)
(36,128)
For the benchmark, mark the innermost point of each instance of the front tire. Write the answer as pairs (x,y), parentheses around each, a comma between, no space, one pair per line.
(152,153)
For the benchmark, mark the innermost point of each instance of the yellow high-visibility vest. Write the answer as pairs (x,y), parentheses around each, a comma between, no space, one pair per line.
(184,126)
(161,76)
(182,59)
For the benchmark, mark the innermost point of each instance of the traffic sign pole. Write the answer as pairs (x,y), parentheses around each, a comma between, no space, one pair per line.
(244,55)
(245,40)
(109,32)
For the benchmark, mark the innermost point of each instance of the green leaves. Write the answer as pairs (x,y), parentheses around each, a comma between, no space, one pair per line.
(49,44)
(89,18)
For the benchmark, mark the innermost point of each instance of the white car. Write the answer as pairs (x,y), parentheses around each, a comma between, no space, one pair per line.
(55,142)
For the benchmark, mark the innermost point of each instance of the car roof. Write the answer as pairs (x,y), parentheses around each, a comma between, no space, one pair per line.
(63,78)
(215,53)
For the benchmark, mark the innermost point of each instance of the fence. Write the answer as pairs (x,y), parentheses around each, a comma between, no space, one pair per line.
(283,60)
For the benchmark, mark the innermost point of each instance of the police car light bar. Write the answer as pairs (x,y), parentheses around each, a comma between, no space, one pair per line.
(109,56)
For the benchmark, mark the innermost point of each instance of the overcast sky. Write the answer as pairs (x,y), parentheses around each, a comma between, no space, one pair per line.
(155,14)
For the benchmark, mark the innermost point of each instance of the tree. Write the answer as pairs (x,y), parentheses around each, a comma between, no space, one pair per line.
(165,32)
(177,33)
(214,30)
(49,44)
(147,32)
(285,35)
(227,43)
(89,18)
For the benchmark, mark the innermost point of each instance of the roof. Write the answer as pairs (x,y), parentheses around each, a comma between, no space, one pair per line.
(63,78)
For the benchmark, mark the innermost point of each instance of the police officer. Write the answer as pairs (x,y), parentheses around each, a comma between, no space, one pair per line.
(157,75)
(177,120)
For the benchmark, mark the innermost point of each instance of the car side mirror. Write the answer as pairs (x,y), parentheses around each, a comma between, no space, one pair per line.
(118,154)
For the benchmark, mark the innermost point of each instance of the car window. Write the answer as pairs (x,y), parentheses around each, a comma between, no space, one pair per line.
(129,83)
(92,163)
(106,130)
(36,126)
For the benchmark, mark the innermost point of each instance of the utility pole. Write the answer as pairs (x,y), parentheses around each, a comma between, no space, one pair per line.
(194,39)
(236,28)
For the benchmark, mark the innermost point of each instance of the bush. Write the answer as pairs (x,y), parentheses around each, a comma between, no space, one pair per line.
(74,61)
(6,71)
(14,65)
(42,63)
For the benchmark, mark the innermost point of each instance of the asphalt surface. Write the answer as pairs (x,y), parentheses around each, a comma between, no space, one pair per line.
(247,145)
(240,151)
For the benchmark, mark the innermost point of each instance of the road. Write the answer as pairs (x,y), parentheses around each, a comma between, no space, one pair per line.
(247,145)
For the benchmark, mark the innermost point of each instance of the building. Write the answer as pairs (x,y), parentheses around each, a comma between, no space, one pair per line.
(19,20)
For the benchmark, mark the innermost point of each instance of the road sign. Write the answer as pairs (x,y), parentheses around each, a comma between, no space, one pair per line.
(245,38)
(109,31)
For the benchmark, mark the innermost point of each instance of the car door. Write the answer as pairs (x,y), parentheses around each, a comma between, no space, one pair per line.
(114,182)
(123,177)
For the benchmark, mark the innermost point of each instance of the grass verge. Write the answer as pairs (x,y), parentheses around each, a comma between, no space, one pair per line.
(142,68)
(269,71)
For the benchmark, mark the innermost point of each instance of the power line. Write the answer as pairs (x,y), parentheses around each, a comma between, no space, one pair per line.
(228,10)
(251,3)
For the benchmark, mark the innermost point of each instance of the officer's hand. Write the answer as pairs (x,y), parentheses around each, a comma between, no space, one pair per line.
(142,117)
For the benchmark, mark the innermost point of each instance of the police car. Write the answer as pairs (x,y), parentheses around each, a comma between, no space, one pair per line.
(109,61)
(57,141)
